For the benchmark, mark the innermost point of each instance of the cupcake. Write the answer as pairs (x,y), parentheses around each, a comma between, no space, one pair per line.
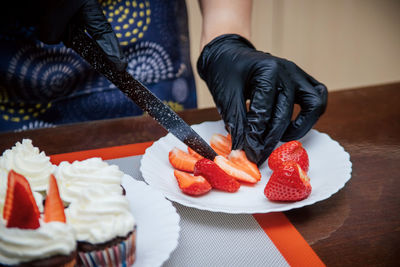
(105,228)
(27,160)
(26,239)
(75,178)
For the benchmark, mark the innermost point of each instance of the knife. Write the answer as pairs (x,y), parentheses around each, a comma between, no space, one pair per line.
(87,48)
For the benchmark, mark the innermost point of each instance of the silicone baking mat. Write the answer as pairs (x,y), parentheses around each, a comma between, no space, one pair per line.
(213,238)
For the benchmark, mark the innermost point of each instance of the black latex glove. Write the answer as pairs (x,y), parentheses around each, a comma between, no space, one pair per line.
(235,71)
(56,19)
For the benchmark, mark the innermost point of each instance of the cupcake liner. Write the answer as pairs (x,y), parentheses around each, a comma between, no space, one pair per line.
(120,254)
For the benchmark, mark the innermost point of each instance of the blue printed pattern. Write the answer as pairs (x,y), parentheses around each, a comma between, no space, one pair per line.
(43,85)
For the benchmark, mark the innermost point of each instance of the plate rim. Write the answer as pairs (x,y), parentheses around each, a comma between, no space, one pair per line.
(174,214)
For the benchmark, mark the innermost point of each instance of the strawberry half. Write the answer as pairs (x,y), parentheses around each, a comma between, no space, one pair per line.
(288,183)
(181,160)
(216,176)
(290,151)
(194,153)
(53,207)
(239,158)
(13,178)
(222,145)
(234,170)
(20,209)
(192,185)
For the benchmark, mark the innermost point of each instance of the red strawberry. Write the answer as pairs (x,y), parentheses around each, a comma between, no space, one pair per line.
(290,151)
(216,176)
(234,170)
(53,207)
(222,145)
(239,157)
(20,207)
(181,160)
(194,153)
(192,185)
(288,183)
(13,178)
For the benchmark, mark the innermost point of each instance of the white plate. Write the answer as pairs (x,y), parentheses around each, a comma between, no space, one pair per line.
(330,169)
(157,223)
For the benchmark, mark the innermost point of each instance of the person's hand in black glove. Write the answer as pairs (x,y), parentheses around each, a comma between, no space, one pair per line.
(55,21)
(235,72)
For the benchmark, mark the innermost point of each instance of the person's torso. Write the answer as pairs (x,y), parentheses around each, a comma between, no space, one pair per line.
(43,85)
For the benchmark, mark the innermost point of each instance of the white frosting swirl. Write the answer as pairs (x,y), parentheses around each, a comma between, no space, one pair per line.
(99,216)
(26,159)
(80,175)
(39,200)
(21,245)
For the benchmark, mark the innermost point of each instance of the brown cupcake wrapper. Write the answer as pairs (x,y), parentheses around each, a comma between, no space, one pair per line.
(120,254)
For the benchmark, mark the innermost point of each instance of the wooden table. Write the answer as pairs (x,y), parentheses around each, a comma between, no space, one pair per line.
(358,226)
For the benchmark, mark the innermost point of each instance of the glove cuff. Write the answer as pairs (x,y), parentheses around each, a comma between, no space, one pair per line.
(214,46)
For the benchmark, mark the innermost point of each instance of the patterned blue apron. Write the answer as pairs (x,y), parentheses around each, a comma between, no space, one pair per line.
(46,85)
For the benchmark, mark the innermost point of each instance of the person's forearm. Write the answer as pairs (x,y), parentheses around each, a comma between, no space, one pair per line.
(225,16)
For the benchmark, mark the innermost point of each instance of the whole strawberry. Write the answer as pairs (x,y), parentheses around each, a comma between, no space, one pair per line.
(288,183)
(290,151)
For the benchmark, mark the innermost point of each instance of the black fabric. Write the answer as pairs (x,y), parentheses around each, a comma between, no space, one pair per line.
(54,22)
(235,72)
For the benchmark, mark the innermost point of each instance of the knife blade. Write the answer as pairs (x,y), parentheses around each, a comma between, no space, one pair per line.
(88,49)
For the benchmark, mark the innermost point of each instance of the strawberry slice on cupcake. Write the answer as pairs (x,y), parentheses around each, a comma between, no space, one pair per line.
(53,208)
(20,209)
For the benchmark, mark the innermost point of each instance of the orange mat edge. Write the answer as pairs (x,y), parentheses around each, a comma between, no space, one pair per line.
(106,153)
(286,238)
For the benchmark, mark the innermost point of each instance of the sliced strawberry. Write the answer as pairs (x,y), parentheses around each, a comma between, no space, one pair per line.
(288,183)
(53,207)
(194,153)
(192,185)
(239,158)
(181,160)
(216,176)
(13,178)
(290,151)
(234,170)
(222,145)
(21,209)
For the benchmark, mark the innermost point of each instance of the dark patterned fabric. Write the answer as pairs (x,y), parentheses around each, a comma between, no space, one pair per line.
(45,85)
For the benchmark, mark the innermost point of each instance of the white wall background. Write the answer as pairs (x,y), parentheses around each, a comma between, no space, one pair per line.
(342,43)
